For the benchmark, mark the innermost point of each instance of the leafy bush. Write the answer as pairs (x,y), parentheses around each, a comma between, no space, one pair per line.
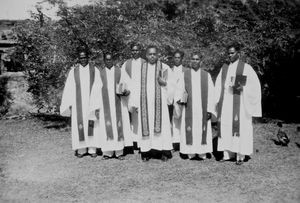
(267,31)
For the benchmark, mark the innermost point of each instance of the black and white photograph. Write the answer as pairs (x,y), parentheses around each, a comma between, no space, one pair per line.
(150,101)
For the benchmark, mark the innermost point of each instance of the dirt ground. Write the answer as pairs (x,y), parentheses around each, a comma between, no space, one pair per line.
(38,165)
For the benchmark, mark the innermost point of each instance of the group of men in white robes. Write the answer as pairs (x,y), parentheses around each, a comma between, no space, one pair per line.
(160,108)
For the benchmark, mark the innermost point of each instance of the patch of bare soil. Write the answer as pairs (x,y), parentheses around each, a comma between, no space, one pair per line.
(38,165)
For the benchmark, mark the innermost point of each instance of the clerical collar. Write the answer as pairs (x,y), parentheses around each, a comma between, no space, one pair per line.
(196,69)
(84,66)
(136,59)
(238,58)
(235,61)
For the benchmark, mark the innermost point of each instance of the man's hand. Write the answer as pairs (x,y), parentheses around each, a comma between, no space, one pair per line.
(181,103)
(97,114)
(237,89)
(126,93)
(208,116)
(161,81)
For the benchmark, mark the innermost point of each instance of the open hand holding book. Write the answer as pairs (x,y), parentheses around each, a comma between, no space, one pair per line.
(238,83)
(183,98)
(122,89)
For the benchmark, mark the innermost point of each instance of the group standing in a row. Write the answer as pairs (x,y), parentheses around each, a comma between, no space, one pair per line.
(159,108)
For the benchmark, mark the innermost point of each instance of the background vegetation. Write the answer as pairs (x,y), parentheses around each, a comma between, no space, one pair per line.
(268,31)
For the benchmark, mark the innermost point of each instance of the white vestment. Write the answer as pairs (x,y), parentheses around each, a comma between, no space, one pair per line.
(196,147)
(135,89)
(69,100)
(250,106)
(158,141)
(174,75)
(97,103)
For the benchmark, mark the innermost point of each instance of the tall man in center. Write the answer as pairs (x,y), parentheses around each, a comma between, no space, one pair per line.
(151,104)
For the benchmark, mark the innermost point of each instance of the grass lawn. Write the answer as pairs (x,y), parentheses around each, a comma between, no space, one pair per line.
(38,165)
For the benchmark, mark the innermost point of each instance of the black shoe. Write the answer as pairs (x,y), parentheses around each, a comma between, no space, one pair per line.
(121,157)
(94,155)
(145,159)
(164,159)
(105,157)
(239,162)
(225,160)
(80,155)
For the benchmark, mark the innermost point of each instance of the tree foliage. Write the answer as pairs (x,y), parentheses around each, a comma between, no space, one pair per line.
(268,32)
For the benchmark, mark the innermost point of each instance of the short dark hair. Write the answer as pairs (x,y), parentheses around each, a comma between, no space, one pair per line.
(177,51)
(83,49)
(152,46)
(135,44)
(106,54)
(234,45)
(196,53)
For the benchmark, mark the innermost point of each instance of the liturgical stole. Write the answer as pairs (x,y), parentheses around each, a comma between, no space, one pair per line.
(224,70)
(80,125)
(189,107)
(236,100)
(106,105)
(128,66)
(143,100)
(237,103)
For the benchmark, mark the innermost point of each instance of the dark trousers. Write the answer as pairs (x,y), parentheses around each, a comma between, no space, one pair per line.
(171,109)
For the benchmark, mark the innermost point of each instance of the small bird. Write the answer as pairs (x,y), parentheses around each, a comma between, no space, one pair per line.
(283,139)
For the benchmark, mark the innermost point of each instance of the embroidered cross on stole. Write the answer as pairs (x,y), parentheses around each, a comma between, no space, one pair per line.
(189,106)
(236,100)
(237,103)
(80,125)
(106,105)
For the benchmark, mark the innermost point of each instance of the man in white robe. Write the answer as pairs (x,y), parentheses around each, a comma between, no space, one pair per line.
(75,103)
(238,93)
(114,126)
(174,75)
(151,104)
(133,68)
(196,131)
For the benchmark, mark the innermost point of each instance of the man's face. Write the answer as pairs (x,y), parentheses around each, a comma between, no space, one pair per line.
(152,55)
(177,59)
(83,59)
(195,62)
(233,54)
(108,61)
(135,51)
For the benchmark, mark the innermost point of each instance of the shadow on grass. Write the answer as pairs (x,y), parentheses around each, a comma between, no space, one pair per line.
(53,121)
(276,142)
